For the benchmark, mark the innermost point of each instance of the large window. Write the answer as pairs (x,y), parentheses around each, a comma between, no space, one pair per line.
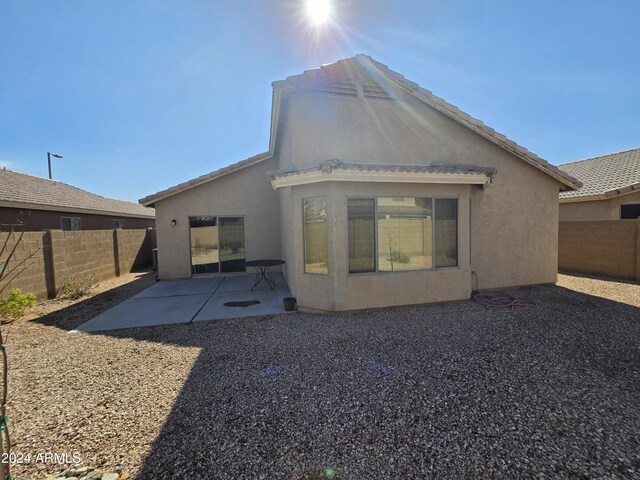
(315,235)
(400,234)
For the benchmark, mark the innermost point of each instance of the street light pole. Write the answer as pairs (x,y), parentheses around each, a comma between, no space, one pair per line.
(49,155)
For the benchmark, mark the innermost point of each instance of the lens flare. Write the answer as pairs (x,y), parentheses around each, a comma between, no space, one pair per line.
(318,11)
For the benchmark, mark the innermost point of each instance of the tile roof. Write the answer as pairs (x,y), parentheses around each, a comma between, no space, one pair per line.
(365,61)
(309,77)
(330,165)
(605,176)
(149,200)
(21,188)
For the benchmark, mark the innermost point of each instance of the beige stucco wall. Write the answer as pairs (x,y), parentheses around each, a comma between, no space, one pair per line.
(244,193)
(596,210)
(514,221)
(288,238)
(508,232)
(339,290)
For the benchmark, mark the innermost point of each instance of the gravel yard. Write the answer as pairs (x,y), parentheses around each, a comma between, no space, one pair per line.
(448,391)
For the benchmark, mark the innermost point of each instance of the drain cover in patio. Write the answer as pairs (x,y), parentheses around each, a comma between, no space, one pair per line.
(245,303)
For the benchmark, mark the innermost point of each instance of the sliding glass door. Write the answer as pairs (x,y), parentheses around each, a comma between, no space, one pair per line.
(217,244)
(232,244)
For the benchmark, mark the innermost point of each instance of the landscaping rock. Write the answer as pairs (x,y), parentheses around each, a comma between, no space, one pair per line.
(79,471)
(89,473)
(95,475)
(438,391)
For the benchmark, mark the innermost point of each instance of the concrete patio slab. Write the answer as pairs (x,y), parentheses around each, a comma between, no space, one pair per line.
(146,312)
(190,286)
(270,303)
(193,299)
(243,283)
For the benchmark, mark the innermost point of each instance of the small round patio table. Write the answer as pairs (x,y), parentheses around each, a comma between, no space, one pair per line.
(262,267)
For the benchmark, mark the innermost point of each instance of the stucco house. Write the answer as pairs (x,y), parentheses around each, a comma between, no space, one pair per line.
(610,191)
(375,192)
(34,203)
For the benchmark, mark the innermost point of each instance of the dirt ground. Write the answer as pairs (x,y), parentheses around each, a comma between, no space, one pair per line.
(103,296)
(445,391)
(617,290)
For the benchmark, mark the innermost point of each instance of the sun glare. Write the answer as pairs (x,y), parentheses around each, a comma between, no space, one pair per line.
(318,11)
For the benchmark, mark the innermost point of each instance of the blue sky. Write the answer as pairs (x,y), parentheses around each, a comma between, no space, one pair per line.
(141,95)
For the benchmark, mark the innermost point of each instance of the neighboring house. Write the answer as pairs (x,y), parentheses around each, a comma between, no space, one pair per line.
(375,192)
(610,191)
(41,203)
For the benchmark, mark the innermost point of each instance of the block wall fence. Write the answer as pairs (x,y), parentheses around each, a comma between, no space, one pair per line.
(58,255)
(604,247)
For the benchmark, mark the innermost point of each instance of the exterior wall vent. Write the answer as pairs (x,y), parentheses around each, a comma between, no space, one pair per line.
(339,88)
(376,91)
(370,90)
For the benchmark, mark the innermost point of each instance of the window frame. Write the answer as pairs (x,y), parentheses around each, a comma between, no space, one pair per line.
(71,219)
(304,233)
(120,223)
(433,239)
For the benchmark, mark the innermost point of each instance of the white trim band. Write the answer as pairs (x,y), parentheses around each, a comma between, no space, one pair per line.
(304,178)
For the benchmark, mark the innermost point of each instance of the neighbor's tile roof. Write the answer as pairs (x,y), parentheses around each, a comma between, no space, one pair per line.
(608,175)
(21,188)
(367,167)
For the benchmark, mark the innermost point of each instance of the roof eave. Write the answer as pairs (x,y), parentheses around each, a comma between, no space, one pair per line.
(150,200)
(616,192)
(585,198)
(67,209)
